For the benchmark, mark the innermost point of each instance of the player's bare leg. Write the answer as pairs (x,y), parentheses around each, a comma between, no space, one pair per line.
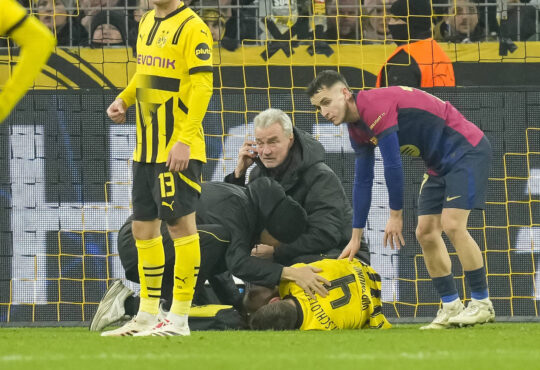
(480,309)
(429,235)
(437,259)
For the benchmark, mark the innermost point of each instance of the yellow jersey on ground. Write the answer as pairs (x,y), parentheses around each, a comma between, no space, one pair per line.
(169,51)
(353,302)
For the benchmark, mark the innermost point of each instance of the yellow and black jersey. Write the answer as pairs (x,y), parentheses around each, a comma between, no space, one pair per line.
(37,44)
(353,302)
(170,50)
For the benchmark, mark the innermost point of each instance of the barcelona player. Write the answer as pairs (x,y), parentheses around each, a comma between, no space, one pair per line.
(171,89)
(458,157)
(37,44)
(353,301)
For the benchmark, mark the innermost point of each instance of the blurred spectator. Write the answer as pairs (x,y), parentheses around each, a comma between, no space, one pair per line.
(142,7)
(487,16)
(463,27)
(90,8)
(520,24)
(344,20)
(419,61)
(215,20)
(374,22)
(108,28)
(287,23)
(230,21)
(66,27)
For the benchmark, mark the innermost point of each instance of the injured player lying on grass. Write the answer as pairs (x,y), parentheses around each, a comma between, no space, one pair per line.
(353,301)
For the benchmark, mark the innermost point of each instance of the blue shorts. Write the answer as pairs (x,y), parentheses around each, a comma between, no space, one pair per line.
(463,187)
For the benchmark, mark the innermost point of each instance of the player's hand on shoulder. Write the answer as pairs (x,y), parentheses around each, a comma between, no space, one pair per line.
(354,245)
(307,278)
(117,111)
(350,250)
(178,158)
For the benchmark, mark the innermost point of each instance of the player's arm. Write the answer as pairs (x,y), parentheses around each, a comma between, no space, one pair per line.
(324,208)
(117,109)
(393,174)
(198,55)
(244,266)
(36,43)
(363,184)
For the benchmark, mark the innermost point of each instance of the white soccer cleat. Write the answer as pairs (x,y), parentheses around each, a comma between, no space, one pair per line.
(111,307)
(166,328)
(448,311)
(131,328)
(477,312)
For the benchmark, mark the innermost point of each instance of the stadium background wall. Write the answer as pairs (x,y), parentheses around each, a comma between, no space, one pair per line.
(65,180)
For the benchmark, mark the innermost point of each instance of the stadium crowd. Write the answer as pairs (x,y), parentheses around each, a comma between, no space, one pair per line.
(232,22)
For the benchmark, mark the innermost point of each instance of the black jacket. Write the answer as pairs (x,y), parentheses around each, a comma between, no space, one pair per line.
(230,206)
(308,180)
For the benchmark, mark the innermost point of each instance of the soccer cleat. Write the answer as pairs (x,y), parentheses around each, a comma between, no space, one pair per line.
(131,328)
(444,314)
(166,328)
(111,306)
(477,312)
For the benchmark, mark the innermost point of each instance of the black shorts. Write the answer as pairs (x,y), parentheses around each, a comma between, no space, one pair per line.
(159,193)
(463,187)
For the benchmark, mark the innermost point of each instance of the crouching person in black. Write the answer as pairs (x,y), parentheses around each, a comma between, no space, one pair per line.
(230,220)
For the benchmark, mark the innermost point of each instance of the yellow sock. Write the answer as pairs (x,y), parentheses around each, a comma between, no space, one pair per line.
(151,267)
(186,269)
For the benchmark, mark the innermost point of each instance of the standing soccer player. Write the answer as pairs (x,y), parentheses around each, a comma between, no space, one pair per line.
(458,157)
(37,44)
(171,89)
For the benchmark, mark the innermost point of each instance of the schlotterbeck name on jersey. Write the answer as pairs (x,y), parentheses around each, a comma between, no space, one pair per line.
(152,61)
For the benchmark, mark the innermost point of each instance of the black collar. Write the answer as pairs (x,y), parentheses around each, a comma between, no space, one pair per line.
(171,14)
(299,312)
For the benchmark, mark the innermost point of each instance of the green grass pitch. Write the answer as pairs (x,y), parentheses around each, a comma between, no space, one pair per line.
(494,346)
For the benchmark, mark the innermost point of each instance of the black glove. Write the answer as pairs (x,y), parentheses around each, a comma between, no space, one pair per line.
(229,44)
(321,47)
(506,45)
(275,46)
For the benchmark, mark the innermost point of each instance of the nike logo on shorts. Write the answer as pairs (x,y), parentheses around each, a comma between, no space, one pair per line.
(449,199)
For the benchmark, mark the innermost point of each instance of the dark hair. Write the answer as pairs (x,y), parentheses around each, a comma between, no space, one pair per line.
(280,315)
(113,18)
(256,297)
(325,79)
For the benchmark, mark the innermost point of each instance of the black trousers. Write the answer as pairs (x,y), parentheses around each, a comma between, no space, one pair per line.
(214,240)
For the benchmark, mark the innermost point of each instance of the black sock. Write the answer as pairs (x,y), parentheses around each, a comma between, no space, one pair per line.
(131,305)
(478,283)
(446,287)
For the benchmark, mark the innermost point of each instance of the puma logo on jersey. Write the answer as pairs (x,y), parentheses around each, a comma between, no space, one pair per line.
(449,199)
(163,203)
(182,280)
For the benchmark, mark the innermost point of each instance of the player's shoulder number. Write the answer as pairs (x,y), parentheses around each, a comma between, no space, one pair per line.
(410,89)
